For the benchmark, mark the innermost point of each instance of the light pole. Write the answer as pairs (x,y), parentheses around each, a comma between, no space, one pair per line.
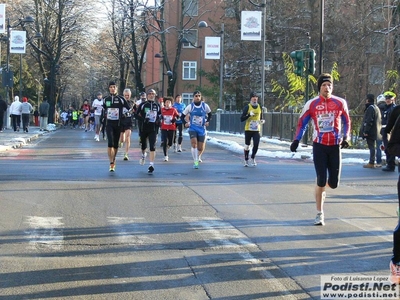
(169,73)
(8,73)
(203,24)
(264,13)
(321,38)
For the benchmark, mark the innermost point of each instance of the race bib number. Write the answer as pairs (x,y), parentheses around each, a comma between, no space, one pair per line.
(325,122)
(197,121)
(253,125)
(152,116)
(167,120)
(113,114)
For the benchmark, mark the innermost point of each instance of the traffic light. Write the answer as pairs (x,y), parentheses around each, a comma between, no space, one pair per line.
(298,57)
(311,62)
(7,78)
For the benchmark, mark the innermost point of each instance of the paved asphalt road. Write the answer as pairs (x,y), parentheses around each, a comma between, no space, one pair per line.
(71,229)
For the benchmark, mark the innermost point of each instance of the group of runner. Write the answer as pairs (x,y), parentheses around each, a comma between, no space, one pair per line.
(170,117)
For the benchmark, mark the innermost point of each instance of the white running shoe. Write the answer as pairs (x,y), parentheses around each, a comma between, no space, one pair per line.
(246,163)
(143,159)
(200,160)
(179,148)
(253,162)
(175,148)
(319,219)
(166,158)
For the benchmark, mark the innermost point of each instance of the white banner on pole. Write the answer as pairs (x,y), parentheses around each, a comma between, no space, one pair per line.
(212,47)
(251,26)
(2,18)
(17,41)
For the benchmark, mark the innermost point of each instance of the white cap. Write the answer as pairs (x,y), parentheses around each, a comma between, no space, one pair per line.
(380,98)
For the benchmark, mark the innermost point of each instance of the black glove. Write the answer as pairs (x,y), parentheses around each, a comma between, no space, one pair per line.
(294,145)
(173,120)
(344,144)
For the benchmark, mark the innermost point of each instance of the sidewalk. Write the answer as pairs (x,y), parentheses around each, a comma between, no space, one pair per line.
(12,140)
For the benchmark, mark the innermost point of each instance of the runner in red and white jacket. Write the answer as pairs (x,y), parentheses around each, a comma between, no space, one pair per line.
(168,127)
(328,113)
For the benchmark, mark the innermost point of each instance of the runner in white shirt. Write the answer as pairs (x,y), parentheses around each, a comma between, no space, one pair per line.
(98,108)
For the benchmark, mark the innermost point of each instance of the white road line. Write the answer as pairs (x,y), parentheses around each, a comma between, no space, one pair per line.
(368,227)
(130,230)
(218,233)
(45,232)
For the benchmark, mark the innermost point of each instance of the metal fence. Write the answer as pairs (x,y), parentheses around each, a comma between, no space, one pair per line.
(279,125)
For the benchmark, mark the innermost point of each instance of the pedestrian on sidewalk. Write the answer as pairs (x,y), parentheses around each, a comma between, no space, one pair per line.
(380,102)
(3,109)
(36,116)
(371,129)
(15,113)
(327,112)
(113,106)
(26,110)
(390,105)
(252,114)
(44,114)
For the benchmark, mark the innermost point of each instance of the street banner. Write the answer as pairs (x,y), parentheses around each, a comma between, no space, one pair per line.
(212,47)
(2,18)
(17,41)
(251,26)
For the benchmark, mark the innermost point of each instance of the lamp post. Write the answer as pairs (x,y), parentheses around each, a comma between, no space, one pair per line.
(203,24)
(169,73)
(158,55)
(264,14)
(321,38)
(9,76)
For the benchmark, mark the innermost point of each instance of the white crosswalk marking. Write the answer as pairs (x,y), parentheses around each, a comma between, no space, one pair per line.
(130,230)
(45,232)
(217,233)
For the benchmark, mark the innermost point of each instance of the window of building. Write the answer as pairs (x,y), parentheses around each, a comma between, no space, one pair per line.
(191,7)
(191,36)
(189,70)
(187,98)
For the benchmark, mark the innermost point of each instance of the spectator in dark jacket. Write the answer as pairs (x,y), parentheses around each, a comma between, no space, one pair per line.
(390,104)
(44,114)
(371,128)
(379,143)
(3,109)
